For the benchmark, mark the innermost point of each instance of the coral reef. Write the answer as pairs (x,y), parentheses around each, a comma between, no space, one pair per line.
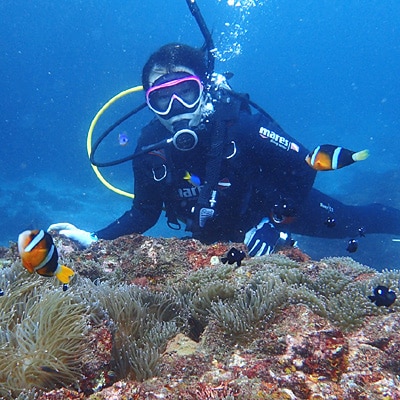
(148,318)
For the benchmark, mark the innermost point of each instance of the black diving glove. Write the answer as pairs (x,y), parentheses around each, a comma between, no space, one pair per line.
(265,239)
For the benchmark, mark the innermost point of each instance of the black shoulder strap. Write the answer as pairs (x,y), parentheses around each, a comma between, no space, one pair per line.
(227,109)
(213,162)
(169,195)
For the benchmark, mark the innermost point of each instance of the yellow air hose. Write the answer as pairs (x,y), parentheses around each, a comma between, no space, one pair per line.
(90,135)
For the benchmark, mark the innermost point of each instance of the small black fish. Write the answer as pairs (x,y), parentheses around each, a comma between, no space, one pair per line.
(65,287)
(383,296)
(234,256)
(330,222)
(1,292)
(352,246)
(361,231)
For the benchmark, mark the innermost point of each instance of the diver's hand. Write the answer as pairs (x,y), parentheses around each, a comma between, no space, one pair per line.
(265,239)
(70,231)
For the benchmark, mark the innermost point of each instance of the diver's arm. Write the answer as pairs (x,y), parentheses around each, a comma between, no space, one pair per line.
(145,211)
(136,220)
(284,181)
(281,158)
(141,217)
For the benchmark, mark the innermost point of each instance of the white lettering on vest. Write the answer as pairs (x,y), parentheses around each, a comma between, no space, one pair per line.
(188,192)
(274,138)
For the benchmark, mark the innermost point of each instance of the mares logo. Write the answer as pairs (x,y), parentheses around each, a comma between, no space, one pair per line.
(278,140)
(189,192)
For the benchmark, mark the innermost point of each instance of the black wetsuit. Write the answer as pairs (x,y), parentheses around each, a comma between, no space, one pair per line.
(262,167)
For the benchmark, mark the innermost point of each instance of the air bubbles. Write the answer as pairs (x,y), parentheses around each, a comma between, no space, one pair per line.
(244,3)
(233,34)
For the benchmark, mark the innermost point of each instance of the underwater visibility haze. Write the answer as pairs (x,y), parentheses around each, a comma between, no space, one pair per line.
(327,71)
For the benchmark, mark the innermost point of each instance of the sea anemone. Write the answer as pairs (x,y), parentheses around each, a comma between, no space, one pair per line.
(143,323)
(349,308)
(43,334)
(250,306)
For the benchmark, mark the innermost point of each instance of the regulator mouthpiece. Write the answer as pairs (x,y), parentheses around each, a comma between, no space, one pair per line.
(184,138)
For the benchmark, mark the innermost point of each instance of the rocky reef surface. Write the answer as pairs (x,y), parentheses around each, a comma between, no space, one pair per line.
(148,318)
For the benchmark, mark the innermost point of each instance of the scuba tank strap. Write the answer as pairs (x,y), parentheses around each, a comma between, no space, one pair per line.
(169,193)
(213,164)
(226,110)
(204,208)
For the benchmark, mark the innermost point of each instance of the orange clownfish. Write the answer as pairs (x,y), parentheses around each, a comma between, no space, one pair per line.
(39,254)
(328,157)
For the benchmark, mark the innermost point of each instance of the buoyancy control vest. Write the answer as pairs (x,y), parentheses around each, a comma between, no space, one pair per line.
(226,111)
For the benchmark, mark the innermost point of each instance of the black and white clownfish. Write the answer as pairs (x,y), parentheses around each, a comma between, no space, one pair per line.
(328,157)
(39,254)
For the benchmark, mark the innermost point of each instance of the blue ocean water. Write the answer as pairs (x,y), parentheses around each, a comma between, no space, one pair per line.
(327,71)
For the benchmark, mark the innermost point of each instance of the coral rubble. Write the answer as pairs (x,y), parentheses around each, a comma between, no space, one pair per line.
(148,318)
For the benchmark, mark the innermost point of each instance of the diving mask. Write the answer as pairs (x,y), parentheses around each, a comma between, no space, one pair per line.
(187,90)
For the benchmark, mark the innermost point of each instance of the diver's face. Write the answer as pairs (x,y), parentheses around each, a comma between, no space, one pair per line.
(180,108)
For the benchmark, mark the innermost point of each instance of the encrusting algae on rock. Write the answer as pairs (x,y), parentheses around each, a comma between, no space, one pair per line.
(147,318)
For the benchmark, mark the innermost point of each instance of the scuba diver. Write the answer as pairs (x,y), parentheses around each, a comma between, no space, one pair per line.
(228,174)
